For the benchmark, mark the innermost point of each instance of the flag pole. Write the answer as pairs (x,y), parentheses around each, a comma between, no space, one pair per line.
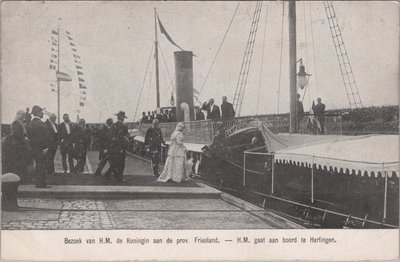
(58,70)
(156,58)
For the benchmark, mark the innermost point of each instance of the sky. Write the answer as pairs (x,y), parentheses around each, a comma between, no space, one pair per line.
(115,40)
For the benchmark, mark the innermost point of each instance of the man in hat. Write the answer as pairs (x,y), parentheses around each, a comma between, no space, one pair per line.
(119,142)
(38,135)
(152,143)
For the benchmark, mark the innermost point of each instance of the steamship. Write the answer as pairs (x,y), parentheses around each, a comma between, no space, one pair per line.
(277,161)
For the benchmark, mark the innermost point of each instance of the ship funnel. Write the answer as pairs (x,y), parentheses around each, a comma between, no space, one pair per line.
(184,85)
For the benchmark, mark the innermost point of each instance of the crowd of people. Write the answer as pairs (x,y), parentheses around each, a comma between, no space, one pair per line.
(34,143)
(166,116)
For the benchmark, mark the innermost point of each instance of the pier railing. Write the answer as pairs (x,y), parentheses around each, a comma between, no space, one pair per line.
(202,131)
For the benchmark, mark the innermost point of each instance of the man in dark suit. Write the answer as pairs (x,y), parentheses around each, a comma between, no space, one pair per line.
(66,137)
(81,137)
(212,110)
(53,142)
(152,142)
(319,112)
(28,116)
(119,142)
(227,109)
(38,135)
(104,138)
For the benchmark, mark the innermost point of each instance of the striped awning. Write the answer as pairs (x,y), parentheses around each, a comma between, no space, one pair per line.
(372,155)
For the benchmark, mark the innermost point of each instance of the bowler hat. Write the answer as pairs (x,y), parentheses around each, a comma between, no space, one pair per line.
(36,110)
(121,113)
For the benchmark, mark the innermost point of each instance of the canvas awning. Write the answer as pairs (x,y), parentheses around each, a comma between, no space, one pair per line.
(371,155)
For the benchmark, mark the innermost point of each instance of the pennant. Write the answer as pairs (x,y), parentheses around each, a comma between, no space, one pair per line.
(63,76)
(72,44)
(80,79)
(78,67)
(163,31)
(52,67)
(83,92)
(67,32)
(70,38)
(79,73)
(53,49)
(76,56)
(53,56)
(81,104)
(83,98)
(54,32)
(54,39)
(53,43)
(74,49)
(77,61)
(52,61)
(81,86)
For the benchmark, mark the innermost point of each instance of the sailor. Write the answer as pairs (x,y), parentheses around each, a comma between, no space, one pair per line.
(119,142)
(152,142)
(38,136)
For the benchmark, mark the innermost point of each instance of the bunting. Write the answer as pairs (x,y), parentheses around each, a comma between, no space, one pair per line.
(54,32)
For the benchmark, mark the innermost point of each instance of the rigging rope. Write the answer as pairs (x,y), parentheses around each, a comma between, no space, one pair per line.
(144,79)
(280,63)
(166,67)
(262,57)
(305,43)
(219,48)
(314,54)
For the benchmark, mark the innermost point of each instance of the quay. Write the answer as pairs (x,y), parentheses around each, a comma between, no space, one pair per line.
(87,202)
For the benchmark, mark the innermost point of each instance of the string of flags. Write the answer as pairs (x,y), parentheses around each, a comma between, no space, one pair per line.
(55,38)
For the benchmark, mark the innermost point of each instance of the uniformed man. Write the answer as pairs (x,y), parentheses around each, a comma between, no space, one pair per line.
(38,135)
(152,142)
(119,142)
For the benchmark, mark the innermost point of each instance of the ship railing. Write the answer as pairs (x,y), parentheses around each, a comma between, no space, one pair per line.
(270,166)
(203,131)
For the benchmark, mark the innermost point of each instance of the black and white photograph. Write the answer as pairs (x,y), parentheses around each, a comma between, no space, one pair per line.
(198,116)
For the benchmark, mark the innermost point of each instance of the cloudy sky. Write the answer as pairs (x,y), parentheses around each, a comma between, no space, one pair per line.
(114,41)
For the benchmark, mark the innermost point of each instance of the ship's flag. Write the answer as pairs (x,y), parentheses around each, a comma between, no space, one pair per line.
(74,49)
(81,86)
(72,44)
(77,61)
(76,56)
(63,76)
(52,67)
(81,104)
(70,38)
(52,61)
(78,67)
(163,31)
(53,56)
(68,32)
(83,98)
(53,49)
(54,32)
(81,79)
(83,92)
(79,73)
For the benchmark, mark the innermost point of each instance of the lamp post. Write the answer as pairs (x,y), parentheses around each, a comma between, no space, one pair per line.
(302,76)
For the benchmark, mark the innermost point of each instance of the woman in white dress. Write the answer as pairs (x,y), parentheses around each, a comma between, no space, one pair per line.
(175,165)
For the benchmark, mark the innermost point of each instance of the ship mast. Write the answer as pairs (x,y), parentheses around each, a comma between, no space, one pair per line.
(156,58)
(58,70)
(292,66)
